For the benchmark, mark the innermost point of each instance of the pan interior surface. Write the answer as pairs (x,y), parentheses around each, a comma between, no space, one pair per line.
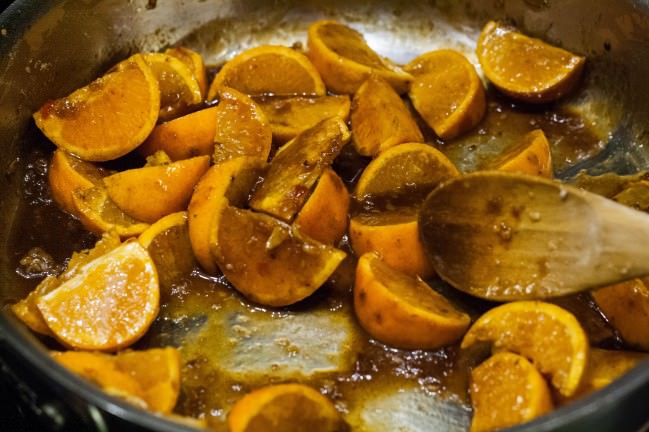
(228,346)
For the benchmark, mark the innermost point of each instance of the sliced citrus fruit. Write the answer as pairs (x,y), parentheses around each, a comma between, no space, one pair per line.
(195,63)
(184,137)
(548,335)
(626,307)
(380,119)
(179,89)
(507,390)
(531,156)
(157,372)
(26,309)
(291,115)
(403,311)
(345,61)
(149,193)
(100,369)
(167,241)
(604,367)
(68,173)
(109,304)
(447,92)
(242,127)
(269,69)
(99,214)
(296,168)
(268,261)
(526,68)
(395,236)
(150,377)
(83,123)
(324,215)
(229,182)
(407,172)
(285,408)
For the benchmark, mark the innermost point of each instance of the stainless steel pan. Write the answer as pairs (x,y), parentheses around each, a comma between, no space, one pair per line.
(47,49)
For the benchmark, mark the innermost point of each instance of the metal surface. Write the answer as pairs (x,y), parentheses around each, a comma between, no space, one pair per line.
(49,48)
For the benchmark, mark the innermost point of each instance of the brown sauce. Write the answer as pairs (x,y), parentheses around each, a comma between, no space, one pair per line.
(230,346)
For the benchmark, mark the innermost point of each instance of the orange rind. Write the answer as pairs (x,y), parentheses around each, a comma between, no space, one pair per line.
(531,156)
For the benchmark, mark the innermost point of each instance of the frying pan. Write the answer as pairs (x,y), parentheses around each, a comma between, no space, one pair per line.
(48,49)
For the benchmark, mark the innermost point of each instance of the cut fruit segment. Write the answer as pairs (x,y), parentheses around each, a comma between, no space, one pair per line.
(507,390)
(67,174)
(268,261)
(195,62)
(83,123)
(296,168)
(26,309)
(229,182)
(149,193)
(184,137)
(380,119)
(109,304)
(242,129)
(289,116)
(99,214)
(150,377)
(626,307)
(447,92)
(345,61)
(324,215)
(179,89)
(403,311)
(269,69)
(167,241)
(407,173)
(531,156)
(395,236)
(526,68)
(285,408)
(548,335)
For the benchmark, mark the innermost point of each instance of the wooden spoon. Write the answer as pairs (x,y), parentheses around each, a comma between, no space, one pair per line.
(504,236)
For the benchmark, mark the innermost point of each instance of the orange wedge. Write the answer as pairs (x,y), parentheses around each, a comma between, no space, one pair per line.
(289,116)
(150,377)
(184,137)
(84,123)
(507,390)
(99,214)
(226,183)
(296,167)
(324,215)
(626,307)
(149,193)
(285,408)
(242,128)
(548,335)
(195,62)
(345,61)
(407,171)
(403,311)
(531,156)
(179,88)
(395,236)
(268,261)
(167,241)
(269,69)
(109,304)
(157,372)
(67,174)
(380,119)
(447,92)
(526,68)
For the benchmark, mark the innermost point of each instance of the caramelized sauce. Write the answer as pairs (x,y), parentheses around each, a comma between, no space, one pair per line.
(230,346)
